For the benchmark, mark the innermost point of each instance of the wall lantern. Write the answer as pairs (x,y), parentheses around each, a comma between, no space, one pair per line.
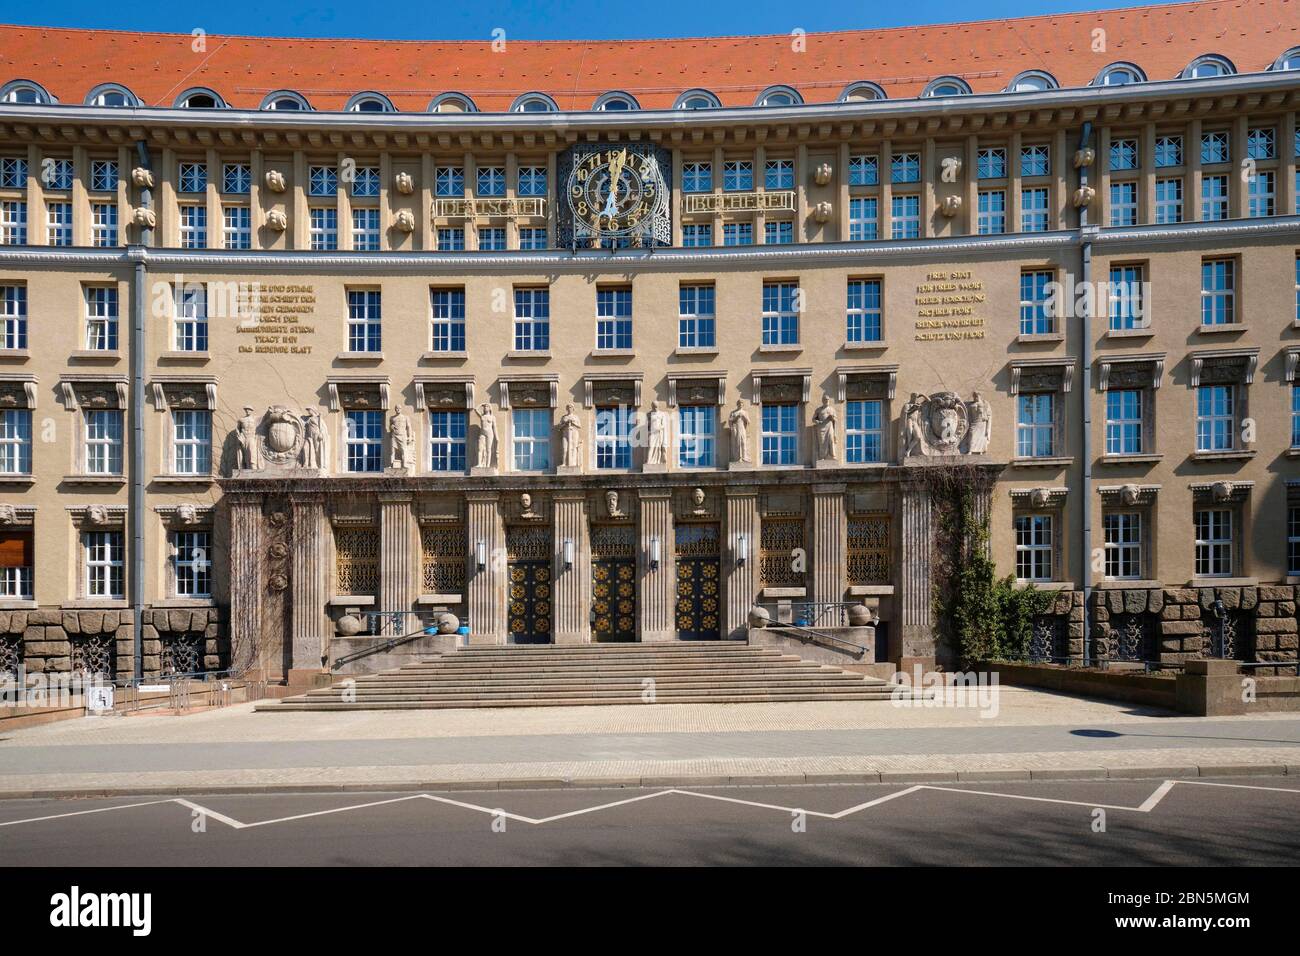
(480,554)
(568,553)
(742,550)
(654,553)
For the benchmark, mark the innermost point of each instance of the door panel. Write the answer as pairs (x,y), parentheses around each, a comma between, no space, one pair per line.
(699,582)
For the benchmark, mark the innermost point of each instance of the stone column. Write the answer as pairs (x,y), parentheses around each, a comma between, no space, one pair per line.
(487,585)
(657,593)
(830,544)
(915,585)
(246,584)
(397,564)
(311,627)
(572,604)
(741,586)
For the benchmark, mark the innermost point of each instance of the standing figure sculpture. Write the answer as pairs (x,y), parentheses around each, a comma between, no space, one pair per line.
(403,451)
(981,423)
(487,437)
(250,453)
(313,444)
(824,423)
(913,438)
(570,438)
(738,425)
(657,450)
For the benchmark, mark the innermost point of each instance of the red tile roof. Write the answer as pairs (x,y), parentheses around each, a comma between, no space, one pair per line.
(157,66)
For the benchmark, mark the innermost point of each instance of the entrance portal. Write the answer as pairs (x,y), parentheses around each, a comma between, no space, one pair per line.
(699,592)
(613,582)
(529,560)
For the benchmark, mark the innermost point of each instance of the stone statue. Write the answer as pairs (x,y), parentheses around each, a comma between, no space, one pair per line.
(611,505)
(313,445)
(824,423)
(570,438)
(738,424)
(981,423)
(249,453)
(657,452)
(912,428)
(403,452)
(487,437)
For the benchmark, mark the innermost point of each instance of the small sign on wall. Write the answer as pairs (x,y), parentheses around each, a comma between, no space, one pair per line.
(99,697)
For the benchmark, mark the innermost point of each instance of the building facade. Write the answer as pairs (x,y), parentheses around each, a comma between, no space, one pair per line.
(282,351)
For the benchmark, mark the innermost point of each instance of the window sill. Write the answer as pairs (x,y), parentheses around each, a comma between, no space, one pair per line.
(784,593)
(780,349)
(1028,338)
(459,355)
(1021,583)
(871,590)
(1236,454)
(95,479)
(613,353)
(440,599)
(1143,333)
(17,480)
(176,602)
(184,479)
(1223,582)
(1293,452)
(198,358)
(529,354)
(94,355)
(1142,459)
(351,600)
(702,350)
(15,355)
(1222,329)
(95,604)
(878,345)
(17,604)
(1119,584)
(375,357)
(1056,461)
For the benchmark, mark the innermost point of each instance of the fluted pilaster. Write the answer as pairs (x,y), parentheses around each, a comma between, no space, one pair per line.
(572,624)
(311,626)
(741,584)
(246,584)
(487,585)
(658,587)
(398,573)
(915,581)
(830,542)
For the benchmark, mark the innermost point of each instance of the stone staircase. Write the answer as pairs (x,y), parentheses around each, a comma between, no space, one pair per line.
(592,674)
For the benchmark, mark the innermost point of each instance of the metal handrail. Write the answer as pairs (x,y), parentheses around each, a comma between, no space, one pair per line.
(378,647)
(800,630)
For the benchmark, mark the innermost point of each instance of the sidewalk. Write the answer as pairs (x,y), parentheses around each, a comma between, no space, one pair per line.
(1035,734)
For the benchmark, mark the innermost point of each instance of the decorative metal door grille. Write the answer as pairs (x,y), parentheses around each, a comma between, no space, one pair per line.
(613,582)
(1047,640)
(528,553)
(699,591)
(182,654)
(1132,638)
(870,556)
(1238,641)
(356,560)
(442,559)
(11,656)
(95,655)
(779,540)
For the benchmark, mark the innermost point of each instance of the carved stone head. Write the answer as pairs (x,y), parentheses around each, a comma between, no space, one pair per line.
(187,514)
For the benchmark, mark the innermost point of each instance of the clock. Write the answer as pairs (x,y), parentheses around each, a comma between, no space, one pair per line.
(616,192)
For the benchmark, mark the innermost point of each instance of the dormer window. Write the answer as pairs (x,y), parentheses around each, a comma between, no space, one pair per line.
(615,101)
(452,103)
(1208,65)
(23,91)
(200,99)
(369,103)
(285,100)
(862,93)
(111,94)
(697,100)
(1290,60)
(1119,74)
(947,86)
(779,96)
(1033,81)
(534,103)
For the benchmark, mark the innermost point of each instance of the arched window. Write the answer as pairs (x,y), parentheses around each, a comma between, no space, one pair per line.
(1032,81)
(862,92)
(779,96)
(1119,74)
(534,103)
(1290,60)
(617,100)
(452,103)
(946,86)
(369,102)
(697,100)
(24,91)
(285,100)
(1211,64)
(200,98)
(111,94)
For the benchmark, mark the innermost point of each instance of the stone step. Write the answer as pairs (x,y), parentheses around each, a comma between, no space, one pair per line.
(664,647)
(707,667)
(530,680)
(529,660)
(298,704)
(575,686)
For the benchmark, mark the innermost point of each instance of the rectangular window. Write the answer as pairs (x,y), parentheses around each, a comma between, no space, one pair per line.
(451,238)
(905,168)
(532,180)
(906,217)
(194,227)
(364,433)
(448,307)
(365,309)
(236,179)
(1123,154)
(16,441)
(1213,542)
(780,434)
(697,177)
(1034,548)
(532,320)
(1169,151)
(13,222)
(13,173)
(1035,160)
(864,171)
(492,238)
(103,223)
(491,181)
(101,318)
(531,438)
(1124,421)
(16,564)
(865,311)
(103,175)
(992,218)
(324,229)
(1169,200)
(696,435)
(1214,148)
(737,233)
(236,227)
(780,313)
(104,567)
(365,230)
(60,174)
(191,441)
(1215,418)
(1262,193)
(695,317)
(697,234)
(614,318)
(449,181)
(191,325)
(1127,304)
(778,232)
(1293,540)
(1035,425)
(323,181)
(864,218)
(13,313)
(447,441)
(58,223)
(532,237)
(1123,545)
(737,176)
(991,163)
(1295,416)
(1035,311)
(1218,296)
(778,174)
(1034,215)
(1123,204)
(193,178)
(613,437)
(104,442)
(1261,143)
(864,432)
(1214,197)
(192,563)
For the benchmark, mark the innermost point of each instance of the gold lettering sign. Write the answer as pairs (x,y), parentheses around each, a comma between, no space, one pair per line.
(947,304)
(276,320)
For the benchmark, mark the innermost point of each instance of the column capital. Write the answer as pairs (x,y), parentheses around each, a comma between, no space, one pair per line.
(830,489)
(395,497)
(741,491)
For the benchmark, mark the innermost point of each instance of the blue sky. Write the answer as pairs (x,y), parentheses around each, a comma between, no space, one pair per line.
(521,19)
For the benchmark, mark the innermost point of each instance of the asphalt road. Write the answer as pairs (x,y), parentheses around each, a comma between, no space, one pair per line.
(1227,822)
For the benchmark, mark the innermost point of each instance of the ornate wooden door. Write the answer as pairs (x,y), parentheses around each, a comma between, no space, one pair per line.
(699,581)
(529,562)
(613,582)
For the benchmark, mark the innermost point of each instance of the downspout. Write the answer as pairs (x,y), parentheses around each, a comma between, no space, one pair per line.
(1086,233)
(135,511)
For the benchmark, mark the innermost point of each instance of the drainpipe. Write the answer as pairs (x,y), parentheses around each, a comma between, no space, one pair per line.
(135,511)
(1086,233)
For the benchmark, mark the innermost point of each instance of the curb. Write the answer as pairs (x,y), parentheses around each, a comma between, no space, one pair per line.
(677,780)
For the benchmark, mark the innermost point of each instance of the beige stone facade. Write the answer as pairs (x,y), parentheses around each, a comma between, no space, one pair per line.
(294,545)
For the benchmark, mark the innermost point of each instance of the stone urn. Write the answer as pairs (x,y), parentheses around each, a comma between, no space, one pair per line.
(759,616)
(860,616)
(448,623)
(349,625)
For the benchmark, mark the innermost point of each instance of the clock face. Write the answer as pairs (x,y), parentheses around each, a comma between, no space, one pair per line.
(615,191)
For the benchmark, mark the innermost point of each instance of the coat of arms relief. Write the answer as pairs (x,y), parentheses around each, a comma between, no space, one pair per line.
(943,424)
